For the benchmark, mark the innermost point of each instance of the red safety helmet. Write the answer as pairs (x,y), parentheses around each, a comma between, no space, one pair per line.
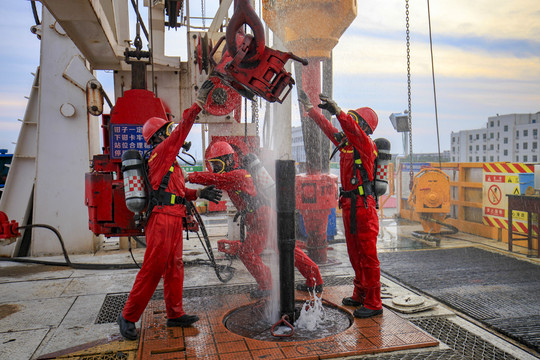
(152,126)
(216,150)
(366,114)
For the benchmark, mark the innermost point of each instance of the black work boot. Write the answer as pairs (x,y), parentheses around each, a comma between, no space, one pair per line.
(127,328)
(363,312)
(303,287)
(183,321)
(349,301)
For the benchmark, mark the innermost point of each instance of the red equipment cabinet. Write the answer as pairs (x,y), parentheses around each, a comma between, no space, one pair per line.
(104,185)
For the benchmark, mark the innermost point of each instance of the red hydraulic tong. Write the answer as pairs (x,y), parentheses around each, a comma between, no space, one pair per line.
(253,68)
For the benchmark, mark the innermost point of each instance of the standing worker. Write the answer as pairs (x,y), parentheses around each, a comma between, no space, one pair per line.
(255,212)
(357,157)
(163,255)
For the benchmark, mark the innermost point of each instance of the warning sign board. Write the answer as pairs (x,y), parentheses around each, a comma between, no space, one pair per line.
(499,180)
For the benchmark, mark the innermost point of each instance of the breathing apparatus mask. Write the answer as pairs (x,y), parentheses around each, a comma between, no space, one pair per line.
(222,164)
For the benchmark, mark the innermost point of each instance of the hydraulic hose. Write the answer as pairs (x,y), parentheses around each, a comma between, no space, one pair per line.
(68,262)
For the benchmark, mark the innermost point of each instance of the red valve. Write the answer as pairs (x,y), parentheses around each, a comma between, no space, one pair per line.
(8,229)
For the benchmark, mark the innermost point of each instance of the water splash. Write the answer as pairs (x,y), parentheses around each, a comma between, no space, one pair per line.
(312,315)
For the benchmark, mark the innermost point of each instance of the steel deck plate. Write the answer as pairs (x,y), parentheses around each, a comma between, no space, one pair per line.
(498,290)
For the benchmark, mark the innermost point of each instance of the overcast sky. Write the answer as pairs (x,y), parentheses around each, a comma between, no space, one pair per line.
(486,59)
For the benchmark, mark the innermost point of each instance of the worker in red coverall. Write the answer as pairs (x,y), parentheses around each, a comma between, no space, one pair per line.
(163,256)
(239,185)
(357,156)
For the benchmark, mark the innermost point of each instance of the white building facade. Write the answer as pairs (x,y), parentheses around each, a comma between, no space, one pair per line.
(511,138)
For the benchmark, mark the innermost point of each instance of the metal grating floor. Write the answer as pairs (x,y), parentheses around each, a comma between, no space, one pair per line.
(114,303)
(463,344)
(498,290)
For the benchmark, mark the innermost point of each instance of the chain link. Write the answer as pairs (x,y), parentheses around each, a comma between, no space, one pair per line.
(255,115)
(409,114)
(203,13)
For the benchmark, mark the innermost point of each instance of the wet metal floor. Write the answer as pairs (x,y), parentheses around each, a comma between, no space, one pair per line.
(500,291)
(60,312)
(210,339)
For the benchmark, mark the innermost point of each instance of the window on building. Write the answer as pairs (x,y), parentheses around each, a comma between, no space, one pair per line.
(470,158)
(517,158)
(484,159)
(535,133)
(517,134)
(491,158)
(491,147)
(498,122)
(470,148)
(477,136)
(517,146)
(505,152)
(491,123)
(535,145)
(505,140)
(470,137)
(524,158)
(453,149)
(491,135)
(498,158)
(484,147)
(525,146)
(498,147)
(477,147)
(505,127)
(525,132)
(484,136)
(535,158)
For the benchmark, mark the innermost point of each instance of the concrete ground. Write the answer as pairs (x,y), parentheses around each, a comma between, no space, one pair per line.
(45,309)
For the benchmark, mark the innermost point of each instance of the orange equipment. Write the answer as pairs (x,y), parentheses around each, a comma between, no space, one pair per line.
(430,198)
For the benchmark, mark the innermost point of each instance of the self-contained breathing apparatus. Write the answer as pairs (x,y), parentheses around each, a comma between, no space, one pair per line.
(139,194)
(375,188)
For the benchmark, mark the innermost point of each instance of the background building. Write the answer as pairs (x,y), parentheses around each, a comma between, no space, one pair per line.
(512,138)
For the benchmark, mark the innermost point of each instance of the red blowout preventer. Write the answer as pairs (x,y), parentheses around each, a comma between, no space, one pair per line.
(316,196)
(253,68)
(104,186)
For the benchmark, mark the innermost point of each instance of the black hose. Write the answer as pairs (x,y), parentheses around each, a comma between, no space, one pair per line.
(435,236)
(34,11)
(68,262)
(223,272)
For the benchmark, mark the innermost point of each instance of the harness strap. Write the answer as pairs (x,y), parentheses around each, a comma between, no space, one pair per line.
(161,198)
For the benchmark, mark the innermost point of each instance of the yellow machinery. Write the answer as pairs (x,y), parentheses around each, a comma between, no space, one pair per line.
(430,198)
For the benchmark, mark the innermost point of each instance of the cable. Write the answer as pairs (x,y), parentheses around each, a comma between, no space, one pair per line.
(34,12)
(434,91)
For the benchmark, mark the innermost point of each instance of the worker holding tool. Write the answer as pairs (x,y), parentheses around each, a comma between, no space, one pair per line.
(163,255)
(357,156)
(254,212)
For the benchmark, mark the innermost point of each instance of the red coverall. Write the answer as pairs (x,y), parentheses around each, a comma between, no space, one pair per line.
(361,246)
(163,255)
(240,181)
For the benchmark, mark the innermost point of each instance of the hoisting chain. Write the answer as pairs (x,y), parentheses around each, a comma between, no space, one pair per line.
(255,115)
(203,13)
(409,116)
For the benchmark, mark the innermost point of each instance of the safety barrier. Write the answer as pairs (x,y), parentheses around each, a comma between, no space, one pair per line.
(466,191)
